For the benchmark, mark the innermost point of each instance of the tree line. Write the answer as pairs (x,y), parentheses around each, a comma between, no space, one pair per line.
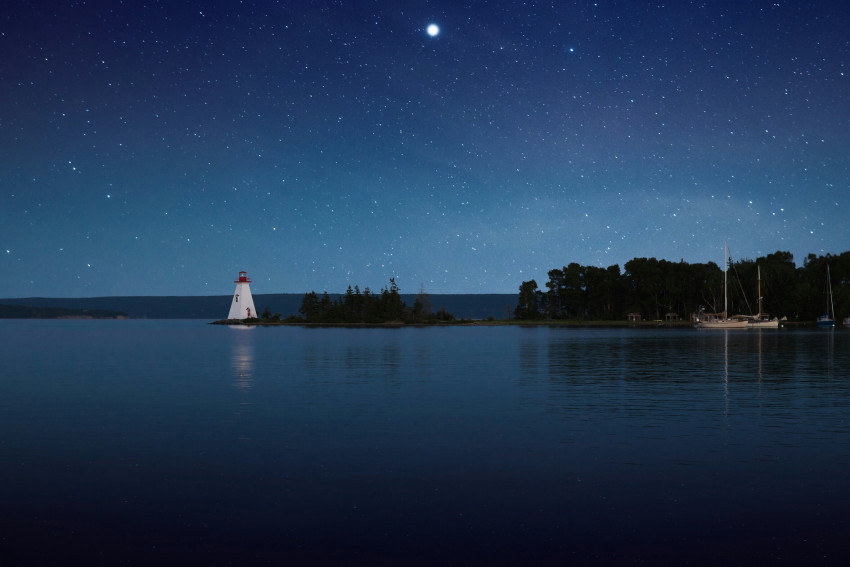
(365,307)
(655,288)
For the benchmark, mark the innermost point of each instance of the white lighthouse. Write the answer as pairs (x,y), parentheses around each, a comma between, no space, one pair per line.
(242,306)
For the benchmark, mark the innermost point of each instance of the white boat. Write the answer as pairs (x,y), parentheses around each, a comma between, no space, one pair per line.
(847,321)
(720,320)
(828,318)
(763,323)
(715,321)
(762,320)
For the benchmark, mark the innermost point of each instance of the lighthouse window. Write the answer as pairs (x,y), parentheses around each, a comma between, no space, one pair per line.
(236,299)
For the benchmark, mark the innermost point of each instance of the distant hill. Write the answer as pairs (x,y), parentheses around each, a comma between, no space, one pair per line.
(34,312)
(214,307)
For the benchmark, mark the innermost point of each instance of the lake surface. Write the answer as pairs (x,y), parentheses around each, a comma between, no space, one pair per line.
(138,442)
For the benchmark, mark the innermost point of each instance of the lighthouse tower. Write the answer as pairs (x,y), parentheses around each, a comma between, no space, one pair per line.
(242,306)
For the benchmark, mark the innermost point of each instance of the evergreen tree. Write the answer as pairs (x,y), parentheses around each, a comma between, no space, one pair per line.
(529,301)
(310,307)
(421,306)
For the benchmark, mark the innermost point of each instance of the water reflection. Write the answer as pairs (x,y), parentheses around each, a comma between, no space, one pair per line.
(537,442)
(726,373)
(357,363)
(362,363)
(242,363)
(830,351)
(531,354)
(242,357)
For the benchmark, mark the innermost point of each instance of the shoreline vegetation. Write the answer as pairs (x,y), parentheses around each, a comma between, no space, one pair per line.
(647,293)
(650,289)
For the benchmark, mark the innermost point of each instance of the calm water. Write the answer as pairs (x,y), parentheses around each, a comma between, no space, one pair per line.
(135,442)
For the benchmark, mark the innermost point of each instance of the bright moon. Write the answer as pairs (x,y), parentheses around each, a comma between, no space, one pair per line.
(433,30)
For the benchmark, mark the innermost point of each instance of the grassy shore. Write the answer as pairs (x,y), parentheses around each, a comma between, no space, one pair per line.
(460,322)
(488,323)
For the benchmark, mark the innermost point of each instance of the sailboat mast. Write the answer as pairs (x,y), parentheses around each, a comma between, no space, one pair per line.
(759,273)
(725,267)
(829,283)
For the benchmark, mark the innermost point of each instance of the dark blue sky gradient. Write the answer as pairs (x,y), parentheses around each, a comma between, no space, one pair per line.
(154,148)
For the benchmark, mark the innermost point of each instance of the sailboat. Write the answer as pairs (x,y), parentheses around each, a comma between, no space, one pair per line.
(828,318)
(762,321)
(720,320)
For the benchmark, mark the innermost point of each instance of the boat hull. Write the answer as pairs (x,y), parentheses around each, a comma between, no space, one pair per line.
(723,324)
(770,324)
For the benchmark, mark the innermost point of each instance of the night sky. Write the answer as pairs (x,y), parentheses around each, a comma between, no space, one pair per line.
(157,148)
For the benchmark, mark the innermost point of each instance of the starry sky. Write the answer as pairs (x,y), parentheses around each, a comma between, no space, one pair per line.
(158,148)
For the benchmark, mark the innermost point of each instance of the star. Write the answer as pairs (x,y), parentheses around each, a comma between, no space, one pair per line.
(433,30)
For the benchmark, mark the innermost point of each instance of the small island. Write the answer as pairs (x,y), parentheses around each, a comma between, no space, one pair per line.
(31,312)
(357,308)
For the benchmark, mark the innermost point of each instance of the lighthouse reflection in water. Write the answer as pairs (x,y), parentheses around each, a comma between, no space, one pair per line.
(242,358)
